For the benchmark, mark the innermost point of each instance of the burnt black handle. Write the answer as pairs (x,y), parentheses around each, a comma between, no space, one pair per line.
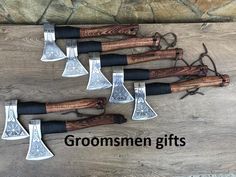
(158,88)
(26,108)
(89,46)
(136,74)
(67,32)
(113,60)
(53,127)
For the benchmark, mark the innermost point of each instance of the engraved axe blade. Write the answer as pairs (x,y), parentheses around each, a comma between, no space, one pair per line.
(13,130)
(51,52)
(37,149)
(73,66)
(142,110)
(119,93)
(96,79)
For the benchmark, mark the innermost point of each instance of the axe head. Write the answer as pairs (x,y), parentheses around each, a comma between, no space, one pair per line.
(73,66)
(119,93)
(37,149)
(96,79)
(51,52)
(142,110)
(13,130)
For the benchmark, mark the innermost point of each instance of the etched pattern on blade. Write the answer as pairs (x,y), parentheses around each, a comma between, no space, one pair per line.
(96,79)
(13,130)
(37,149)
(142,110)
(119,93)
(51,52)
(74,68)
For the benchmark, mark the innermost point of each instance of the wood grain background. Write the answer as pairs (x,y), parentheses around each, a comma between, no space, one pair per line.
(207,122)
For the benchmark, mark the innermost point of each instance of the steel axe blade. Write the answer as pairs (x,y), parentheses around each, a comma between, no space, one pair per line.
(96,79)
(119,93)
(13,130)
(73,66)
(51,52)
(37,149)
(142,110)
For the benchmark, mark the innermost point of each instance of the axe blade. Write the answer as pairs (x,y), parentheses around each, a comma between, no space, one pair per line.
(73,66)
(51,52)
(142,110)
(37,149)
(96,79)
(119,93)
(13,130)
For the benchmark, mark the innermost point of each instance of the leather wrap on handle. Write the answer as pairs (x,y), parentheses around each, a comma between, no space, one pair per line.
(208,81)
(76,104)
(64,126)
(155,55)
(147,74)
(26,108)
(113,60)
(158,88)
(122,60)
(70,32)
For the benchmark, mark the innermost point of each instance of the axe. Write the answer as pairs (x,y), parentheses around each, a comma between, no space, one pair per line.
(13,130)
(74,68)
(143,111)
(98,81)
(119,92)
(51,52)
(38,150)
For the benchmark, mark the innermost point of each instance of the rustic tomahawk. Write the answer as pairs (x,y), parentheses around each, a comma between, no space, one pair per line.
(98,81)
(52,52)
(13,130)
(119,92)
(73,66)
(143,111)
(38,150)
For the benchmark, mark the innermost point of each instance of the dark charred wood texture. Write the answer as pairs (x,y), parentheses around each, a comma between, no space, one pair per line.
(130,30)
(155,55)
(178,71)
(76,104)
(90,122)
(129,43)
(208,81)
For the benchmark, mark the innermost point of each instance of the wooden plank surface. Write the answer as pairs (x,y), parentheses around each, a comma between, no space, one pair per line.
(207,122)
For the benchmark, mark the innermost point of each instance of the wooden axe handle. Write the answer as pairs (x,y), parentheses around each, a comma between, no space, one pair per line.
(49,127)
(95,121)
(129,43)
(155,55)
(130,30)
(201,82)
(178,71)
(76,104)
